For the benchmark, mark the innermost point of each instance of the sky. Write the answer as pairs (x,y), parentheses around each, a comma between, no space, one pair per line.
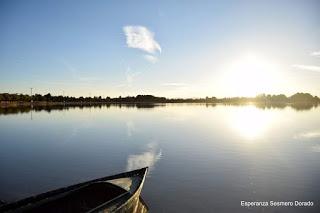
(164,48)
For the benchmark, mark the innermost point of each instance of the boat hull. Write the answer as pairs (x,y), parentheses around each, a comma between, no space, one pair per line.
(117,193)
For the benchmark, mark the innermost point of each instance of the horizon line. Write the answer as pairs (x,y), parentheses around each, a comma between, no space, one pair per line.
(198,97)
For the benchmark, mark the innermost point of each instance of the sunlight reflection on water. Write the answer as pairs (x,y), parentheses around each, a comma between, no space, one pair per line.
(250,122)
(195,152)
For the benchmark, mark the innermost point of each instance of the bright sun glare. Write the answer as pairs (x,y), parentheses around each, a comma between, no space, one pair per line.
(250,75)
(250,122)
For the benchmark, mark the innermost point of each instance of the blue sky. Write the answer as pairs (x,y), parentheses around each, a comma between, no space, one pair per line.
(177,48)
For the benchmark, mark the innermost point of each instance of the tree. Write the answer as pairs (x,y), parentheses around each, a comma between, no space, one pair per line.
(302,97)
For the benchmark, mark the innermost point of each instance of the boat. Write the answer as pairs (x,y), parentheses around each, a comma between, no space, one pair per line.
(116,193)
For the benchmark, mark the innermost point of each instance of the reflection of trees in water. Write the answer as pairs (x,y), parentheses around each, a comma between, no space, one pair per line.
(271,106)
(137,105)
(304,106)
(14,110)
(49,108)
(296,106)
(26,109)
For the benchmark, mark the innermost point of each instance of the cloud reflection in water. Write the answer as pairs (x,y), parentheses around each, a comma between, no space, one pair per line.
(308,135)
(147,158)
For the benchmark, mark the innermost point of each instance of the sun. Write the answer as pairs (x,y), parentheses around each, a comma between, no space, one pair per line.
(250,75)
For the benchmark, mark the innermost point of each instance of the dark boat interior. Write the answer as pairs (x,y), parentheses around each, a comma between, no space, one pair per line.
(113,193)
(80,200)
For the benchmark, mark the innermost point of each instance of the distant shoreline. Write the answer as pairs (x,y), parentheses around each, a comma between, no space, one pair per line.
(7,108)
(20,100)
(7,104)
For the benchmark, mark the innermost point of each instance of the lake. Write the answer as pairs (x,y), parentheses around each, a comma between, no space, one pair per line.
(202,158)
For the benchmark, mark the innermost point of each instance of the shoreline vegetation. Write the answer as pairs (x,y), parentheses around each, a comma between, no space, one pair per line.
(299,101)
(11,100)
(19,103)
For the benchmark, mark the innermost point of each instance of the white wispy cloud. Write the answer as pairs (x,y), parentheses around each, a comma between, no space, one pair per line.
(307,67)
(141,38)
(151,58)
(315,53)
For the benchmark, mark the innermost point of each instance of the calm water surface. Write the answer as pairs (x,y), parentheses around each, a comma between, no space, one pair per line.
(202,158)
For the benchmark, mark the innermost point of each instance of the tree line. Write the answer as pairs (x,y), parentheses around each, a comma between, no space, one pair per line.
(263,98)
